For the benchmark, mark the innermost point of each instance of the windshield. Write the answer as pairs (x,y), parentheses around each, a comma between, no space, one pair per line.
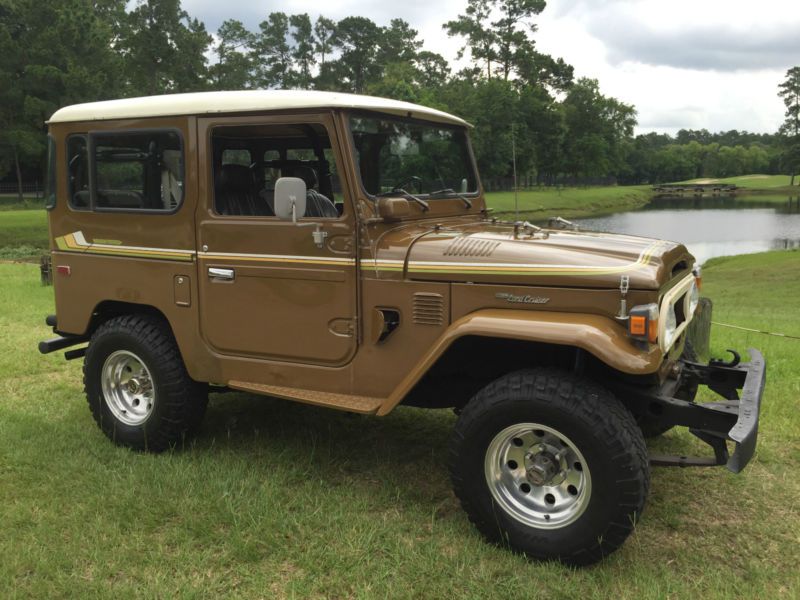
(425,159)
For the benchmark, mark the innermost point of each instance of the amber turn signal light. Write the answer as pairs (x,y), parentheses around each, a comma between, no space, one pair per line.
(643,323)
(638,325)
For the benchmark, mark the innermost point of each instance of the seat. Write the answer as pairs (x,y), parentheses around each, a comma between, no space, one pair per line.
(235,192)
(317,205)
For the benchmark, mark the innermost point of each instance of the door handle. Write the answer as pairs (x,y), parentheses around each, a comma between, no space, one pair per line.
(216,273)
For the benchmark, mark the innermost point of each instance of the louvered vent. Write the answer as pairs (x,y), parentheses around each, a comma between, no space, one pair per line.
(428,309)
(465,246)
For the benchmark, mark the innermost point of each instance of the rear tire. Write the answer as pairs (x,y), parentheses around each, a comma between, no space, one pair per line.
(550,464)
(137,387)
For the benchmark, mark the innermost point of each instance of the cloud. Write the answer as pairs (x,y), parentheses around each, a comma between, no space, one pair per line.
(706,35)
(683,117)
(700,47)
(711,64)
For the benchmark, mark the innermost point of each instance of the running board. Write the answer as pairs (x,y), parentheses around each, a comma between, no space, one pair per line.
(357,404)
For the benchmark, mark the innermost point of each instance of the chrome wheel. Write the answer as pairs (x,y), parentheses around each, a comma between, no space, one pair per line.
(537,476)
(128,387)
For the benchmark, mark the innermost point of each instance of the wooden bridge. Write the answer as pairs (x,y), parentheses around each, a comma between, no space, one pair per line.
(695,188)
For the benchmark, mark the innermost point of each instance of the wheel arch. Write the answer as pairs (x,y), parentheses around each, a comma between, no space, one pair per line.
(109,309)
(513,333)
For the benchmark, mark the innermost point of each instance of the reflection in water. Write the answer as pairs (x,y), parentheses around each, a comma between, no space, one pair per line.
(711,226)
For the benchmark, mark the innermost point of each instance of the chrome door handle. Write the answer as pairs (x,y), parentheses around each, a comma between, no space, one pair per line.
(216,273)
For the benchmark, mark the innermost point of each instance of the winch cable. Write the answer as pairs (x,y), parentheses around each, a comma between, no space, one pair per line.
(783,335)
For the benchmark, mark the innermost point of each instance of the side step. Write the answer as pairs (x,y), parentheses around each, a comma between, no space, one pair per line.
(356,404)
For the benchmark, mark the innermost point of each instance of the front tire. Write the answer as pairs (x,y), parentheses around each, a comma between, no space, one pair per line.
(550,464)
(137,386)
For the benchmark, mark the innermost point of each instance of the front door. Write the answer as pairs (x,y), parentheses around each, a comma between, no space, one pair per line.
(272,289)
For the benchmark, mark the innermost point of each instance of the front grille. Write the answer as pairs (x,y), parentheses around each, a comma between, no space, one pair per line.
(428,309)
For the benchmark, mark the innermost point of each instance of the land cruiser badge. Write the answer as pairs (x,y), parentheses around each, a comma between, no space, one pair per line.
(521,299)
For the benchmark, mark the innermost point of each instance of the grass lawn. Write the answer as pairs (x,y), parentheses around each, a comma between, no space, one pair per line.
(752,181)
(12,202)
(570,202)
(276,499)
(23,233)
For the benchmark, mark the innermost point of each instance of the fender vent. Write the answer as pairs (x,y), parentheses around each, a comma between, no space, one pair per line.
(428,309)
(465,246)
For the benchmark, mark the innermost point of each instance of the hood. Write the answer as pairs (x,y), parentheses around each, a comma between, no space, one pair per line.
(490,252)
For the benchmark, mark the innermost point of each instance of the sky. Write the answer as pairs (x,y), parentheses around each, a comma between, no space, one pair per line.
(684,64)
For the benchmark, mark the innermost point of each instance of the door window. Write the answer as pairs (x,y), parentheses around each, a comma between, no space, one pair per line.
(246,188)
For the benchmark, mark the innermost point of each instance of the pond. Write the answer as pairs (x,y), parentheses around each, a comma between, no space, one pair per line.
(711,225)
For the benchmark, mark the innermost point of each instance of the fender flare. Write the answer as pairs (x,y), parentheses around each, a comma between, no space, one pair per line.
(598,335)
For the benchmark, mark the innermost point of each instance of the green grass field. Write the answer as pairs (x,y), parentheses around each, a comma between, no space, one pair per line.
(570,202)
(282,500)
(751,181)
(23,233)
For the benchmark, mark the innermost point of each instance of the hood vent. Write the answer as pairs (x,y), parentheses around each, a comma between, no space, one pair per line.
(428,309)
(467,246)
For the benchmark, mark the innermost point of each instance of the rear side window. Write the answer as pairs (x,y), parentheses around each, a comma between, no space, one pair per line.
(140,170)
(77,172)
(50,190)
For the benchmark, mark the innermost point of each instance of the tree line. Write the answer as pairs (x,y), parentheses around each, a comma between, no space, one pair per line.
(522,102)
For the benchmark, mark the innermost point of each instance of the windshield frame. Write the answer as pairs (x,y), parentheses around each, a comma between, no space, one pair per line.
(425,122)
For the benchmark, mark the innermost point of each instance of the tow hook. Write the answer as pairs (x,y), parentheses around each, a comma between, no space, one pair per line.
(734,362)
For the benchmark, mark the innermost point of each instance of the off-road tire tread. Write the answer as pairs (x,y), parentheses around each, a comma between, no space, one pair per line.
(584,400)
(183,400)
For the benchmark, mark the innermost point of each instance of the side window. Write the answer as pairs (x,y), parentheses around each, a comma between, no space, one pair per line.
(77,172)
(50,190)
(234,156)
(246,187)
(138,170)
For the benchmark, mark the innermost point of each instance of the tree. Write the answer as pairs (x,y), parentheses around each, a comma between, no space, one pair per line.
(597,127)
(481,40)
(512,31)
(271,52)
(433,70)
(324,33)
(303,51)
(357,66)
(790,130)
(398,43)
(234,67)
(163,49)
(504,42)
(51,54)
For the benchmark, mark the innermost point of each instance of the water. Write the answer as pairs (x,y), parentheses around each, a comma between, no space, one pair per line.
(711,226)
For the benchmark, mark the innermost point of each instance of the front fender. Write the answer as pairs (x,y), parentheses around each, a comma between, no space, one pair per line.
(600,336)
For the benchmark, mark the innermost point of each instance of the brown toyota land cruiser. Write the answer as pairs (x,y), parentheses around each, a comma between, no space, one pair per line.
(337,250)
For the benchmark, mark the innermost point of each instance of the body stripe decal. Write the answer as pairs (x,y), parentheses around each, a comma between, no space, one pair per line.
(76,242)
(467,268)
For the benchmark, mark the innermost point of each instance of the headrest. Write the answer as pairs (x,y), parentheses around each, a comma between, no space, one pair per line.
(305,173)
(235,178)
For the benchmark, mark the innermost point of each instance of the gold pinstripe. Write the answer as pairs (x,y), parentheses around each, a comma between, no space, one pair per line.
(71,243)
(301,260)
(477,269)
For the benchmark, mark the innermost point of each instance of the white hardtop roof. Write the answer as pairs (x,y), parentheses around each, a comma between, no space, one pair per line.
(209,103)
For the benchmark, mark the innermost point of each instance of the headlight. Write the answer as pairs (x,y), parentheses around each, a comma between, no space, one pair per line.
(694,298)
(670,326)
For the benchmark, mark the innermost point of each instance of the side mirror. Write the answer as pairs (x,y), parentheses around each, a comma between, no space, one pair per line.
(392,209)
(290,198)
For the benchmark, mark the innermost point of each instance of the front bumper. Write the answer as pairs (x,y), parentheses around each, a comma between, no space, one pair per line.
(735,418)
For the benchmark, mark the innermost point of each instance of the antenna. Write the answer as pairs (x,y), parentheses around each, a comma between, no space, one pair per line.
(514,163)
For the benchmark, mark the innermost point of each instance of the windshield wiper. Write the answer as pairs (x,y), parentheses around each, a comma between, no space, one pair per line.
(453,193)
(407,195)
